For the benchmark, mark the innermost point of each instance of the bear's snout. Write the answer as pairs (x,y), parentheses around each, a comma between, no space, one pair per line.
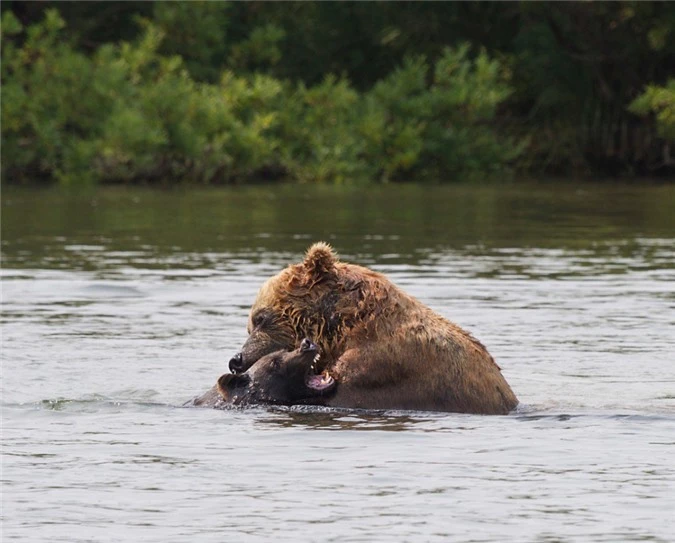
(236,363)
(307,345)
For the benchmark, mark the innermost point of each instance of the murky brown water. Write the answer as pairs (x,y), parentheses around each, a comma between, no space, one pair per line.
(119,305)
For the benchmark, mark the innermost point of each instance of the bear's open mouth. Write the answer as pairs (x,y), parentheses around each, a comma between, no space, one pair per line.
(319,382)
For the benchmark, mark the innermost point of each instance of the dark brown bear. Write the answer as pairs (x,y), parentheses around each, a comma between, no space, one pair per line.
(281,377)
(385,349)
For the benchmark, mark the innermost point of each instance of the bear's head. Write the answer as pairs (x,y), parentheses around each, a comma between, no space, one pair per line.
(281,377)
(298,302)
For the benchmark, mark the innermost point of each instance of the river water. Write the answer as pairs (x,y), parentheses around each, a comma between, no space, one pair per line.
(119,305)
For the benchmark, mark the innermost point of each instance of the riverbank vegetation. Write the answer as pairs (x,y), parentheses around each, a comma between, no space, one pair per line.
(219,92)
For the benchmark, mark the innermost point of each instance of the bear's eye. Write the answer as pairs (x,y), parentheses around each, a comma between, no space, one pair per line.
(258,319)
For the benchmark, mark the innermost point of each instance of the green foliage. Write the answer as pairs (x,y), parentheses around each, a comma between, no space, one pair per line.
(443,129)
(659,101)
(197,32)
(318,127)
(572,70)
(133,112)
(577,67)
(44,105)
(126,113)
(260,50)
(464,99)
(397,112)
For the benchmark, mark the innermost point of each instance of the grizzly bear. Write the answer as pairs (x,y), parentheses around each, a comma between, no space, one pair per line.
(384,348)
(281,377)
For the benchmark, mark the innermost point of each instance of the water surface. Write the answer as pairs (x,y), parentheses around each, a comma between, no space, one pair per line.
(120,304)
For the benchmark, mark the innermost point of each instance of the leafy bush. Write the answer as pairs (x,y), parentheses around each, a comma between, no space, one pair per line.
(659,101)
(197,31)
(577,66)
(126,113)
(397,113)
(318,126)
(446,128)
(132,111)
(49,101)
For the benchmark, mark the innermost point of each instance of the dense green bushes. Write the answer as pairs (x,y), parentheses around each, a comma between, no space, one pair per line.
(128,112)
(339,91)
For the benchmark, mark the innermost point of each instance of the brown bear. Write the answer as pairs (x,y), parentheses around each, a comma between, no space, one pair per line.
(385,349)
(282,377)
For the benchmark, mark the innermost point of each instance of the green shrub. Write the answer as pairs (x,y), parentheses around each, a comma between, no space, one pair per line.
(48,100)
(197,31)
(133,112)
(318,130)
(397,114)
(464,98)
(445,128)
(659,101)
(126,113)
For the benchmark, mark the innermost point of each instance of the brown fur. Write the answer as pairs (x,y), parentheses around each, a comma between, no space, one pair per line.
(385,348)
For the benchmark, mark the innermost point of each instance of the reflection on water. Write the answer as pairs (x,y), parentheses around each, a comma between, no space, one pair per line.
(326,418)
(391,224)
(120,305)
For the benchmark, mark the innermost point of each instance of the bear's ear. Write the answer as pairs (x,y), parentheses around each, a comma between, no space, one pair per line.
(231,380)
(223,381)
(319,261)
